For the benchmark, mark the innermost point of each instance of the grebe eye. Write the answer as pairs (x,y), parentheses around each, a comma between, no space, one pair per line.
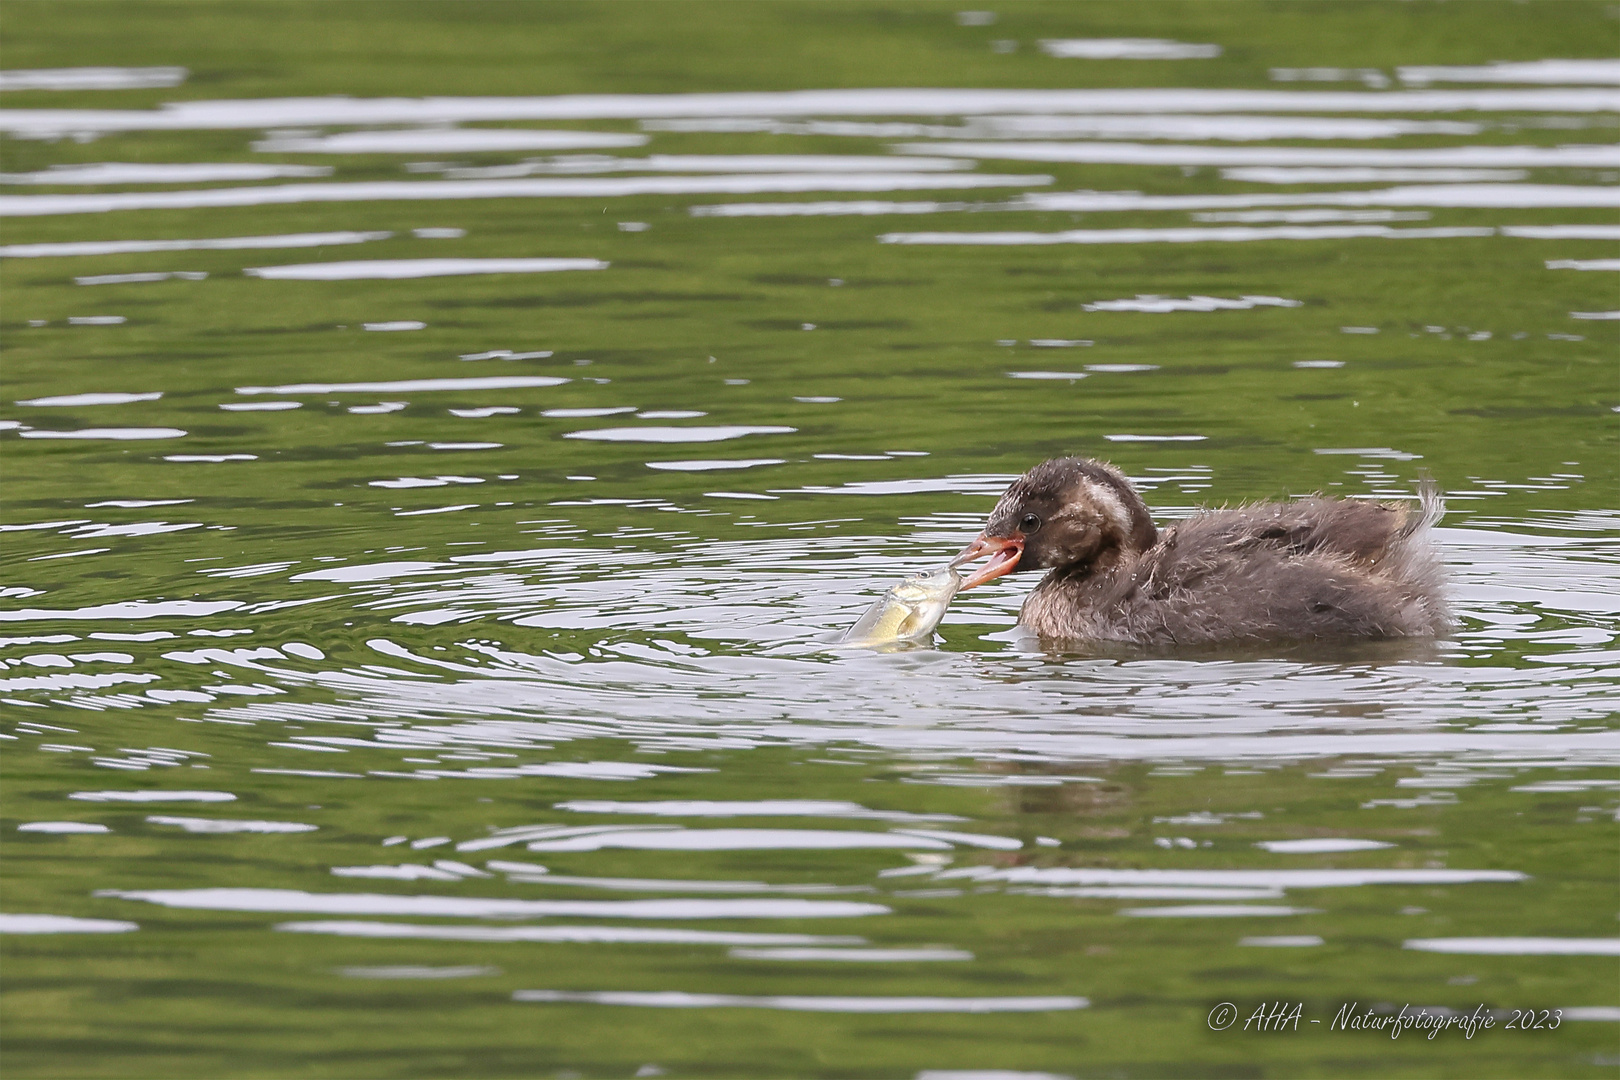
(1028,523)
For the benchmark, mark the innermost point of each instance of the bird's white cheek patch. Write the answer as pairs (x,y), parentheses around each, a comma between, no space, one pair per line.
(1109,507)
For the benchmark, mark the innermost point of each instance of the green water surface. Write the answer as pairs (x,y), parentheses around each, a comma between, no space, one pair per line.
(682,626)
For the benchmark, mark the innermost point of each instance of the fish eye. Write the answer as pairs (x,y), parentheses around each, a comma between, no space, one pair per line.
(1028,523)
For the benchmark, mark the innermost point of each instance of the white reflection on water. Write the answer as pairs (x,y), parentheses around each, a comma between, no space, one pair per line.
(123,172)
(1372,78)
(679,434)
(465,971)
(1350,174)
(586,164)
(62,827)
(41,525)
(996,702)
(1583,264)
(1232,128)
(382,571)
(438,509)
(574,770)
(1111,153)
(1147,892)
(1228,128)
(1518,946)
(71,400)
(398,269)
(128,279)
(550,187)
(1237,879)
(491,382)
(711,465)
(92,78)
(590,935)
(739,840)
(857,956)
(403,872)
(153,796)
(425,481)
(136,528)
(224,243)
(1601,1013)
(381,407)
(507,354)
(675,999)
(1127,49)
(757,807)
(1595,72)
(268,113)
(136,504)
(843,207)
(445,141)
(227,899)
(1295,217)
(119,434)
(214,826)
(1563,232)
(62,924)
(783,594)
(1483,196)
(211,458)
(1154,303)
(1217,911)
(666,885)
(1229,235)
(1549,786)
(1320,845)
(75,681)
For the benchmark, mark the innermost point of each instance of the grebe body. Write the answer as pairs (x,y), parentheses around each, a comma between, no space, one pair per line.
(1312,568)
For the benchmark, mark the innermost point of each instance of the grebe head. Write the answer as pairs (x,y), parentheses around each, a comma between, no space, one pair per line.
(1063,512)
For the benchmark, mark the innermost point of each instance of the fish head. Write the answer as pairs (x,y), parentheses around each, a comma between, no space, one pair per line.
(908,611)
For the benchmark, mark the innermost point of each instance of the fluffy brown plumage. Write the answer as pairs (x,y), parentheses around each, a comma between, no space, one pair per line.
(1309,569)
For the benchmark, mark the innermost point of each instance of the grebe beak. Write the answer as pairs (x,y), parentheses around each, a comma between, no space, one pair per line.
(1004,552)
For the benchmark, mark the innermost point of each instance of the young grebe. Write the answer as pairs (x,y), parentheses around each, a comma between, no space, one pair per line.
(1312,568)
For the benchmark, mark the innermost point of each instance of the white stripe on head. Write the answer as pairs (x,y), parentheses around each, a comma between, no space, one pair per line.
(1108,506)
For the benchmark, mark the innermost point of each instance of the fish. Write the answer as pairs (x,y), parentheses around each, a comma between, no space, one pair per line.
(908,611)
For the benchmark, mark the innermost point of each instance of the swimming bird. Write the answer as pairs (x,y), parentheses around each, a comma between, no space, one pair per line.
(1311,568)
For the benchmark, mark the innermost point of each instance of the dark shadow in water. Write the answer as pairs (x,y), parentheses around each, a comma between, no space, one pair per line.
(1361,651)
(1318,651)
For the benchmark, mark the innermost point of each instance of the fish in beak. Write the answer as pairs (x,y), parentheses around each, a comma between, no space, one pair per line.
(1004,552)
